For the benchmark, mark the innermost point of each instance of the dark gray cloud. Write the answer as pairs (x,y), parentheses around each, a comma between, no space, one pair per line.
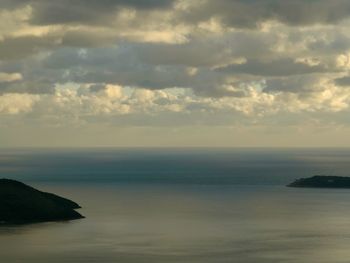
(123,66)
(233,13)
(10,4)
(80,38)
(344,81)
(295,84)
(30,87)
(97,87)
(249,13)
(193,53)
(202,51)
(81,11)
(280,67)
(19,47)
(23,46)
(90,4)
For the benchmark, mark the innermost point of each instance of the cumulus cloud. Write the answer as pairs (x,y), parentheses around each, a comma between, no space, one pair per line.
(17,103)
(110,102)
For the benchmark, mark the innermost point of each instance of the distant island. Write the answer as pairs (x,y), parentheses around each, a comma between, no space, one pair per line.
(21,204)
(322,181)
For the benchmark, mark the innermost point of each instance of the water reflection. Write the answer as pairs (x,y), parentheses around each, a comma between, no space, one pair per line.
(189,224)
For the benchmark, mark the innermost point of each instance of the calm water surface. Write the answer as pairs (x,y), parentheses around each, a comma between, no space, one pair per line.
(183,206)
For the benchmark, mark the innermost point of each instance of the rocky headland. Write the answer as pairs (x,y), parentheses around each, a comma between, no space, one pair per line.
(21,204)
(322,181)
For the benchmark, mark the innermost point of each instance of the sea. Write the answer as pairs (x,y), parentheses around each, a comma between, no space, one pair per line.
(182,205)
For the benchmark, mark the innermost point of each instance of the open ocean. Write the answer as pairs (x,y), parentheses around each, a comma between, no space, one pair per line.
(183,205)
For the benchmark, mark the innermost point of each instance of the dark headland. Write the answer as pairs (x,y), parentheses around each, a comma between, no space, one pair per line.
(322,181)
(21,204)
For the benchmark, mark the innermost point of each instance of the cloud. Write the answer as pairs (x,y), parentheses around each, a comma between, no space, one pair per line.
(123,66)
(281,67)
(232,13)
(110,104)
(10,77)
(30,87)
(12,48)
(344,81)
(81,11)
(174,63)
(251,14)
(297,84)
(17,103)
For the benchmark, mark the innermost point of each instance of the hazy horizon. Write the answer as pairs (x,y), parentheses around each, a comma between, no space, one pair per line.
(182,206)
(184,166)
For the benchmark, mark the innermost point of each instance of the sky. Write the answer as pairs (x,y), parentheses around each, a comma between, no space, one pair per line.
(174,73)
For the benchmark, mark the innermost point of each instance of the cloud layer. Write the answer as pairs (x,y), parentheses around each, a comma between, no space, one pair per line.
(174,63)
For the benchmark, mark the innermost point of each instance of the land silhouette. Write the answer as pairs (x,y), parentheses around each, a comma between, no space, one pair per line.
(21,204)
(322,181)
